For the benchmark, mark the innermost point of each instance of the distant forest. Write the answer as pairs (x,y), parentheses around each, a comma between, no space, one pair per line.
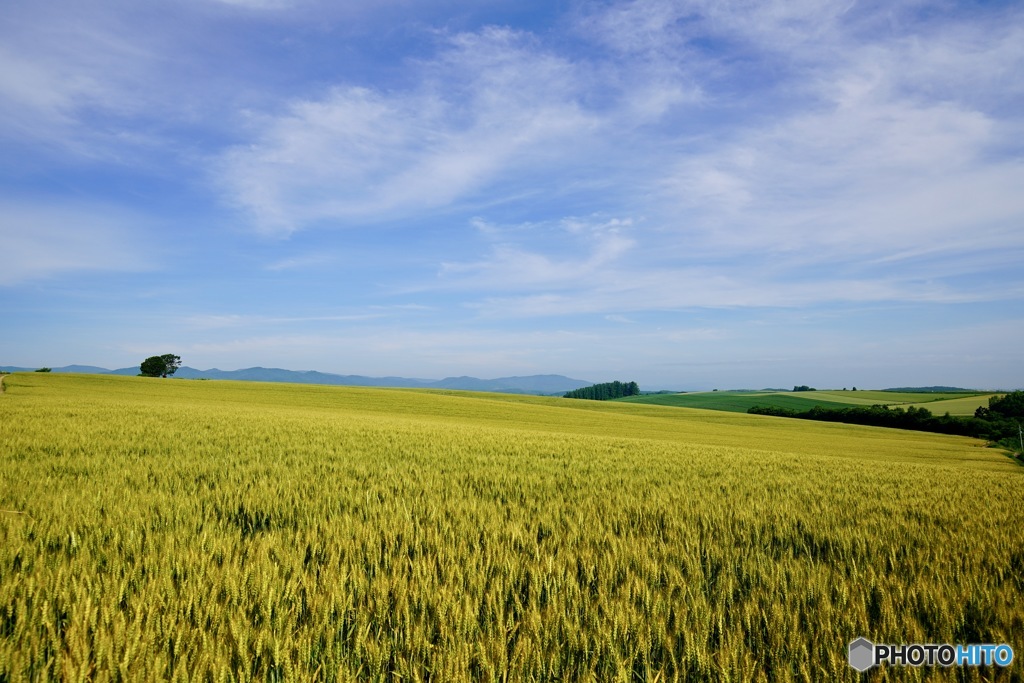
(606,391)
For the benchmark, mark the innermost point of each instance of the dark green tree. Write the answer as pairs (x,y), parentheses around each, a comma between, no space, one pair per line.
(171,362)
(160,366)
(152,367)
(1010,405)
(606,391)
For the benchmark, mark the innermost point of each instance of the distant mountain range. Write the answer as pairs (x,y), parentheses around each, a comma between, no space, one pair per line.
(533,384)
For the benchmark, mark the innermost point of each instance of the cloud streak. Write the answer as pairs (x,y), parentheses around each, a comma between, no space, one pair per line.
(43,242)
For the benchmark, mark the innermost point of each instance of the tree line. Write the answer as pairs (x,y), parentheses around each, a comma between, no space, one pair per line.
(999,422)
(605,391)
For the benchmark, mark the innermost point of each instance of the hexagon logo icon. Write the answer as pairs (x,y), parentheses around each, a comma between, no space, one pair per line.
(862,654)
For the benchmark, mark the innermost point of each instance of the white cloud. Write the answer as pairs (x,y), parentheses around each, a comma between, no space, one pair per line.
(885,171)
(258,4)
(488,104)
(300,262)
(595,246)
(618,292)
(43,241)
(31,90)
(864,180)
(235,320)
(890,148)
(70,79)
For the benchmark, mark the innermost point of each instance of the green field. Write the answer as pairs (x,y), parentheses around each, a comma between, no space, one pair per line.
(221,531)
(964,406)
(736,401)
(741,401)
(960,403)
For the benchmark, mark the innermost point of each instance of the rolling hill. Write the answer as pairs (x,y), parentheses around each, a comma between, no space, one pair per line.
(160,530)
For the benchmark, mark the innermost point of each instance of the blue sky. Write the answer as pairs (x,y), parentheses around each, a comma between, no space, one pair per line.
(688,194)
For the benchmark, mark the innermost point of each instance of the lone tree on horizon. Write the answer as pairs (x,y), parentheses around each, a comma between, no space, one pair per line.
(160,366)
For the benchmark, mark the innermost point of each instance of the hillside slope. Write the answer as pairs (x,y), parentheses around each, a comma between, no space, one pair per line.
(261,531)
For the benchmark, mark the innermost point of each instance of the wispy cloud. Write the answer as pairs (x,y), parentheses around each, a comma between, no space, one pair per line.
(300,262)
(592,248)
(44,241)
(259,4)
(871,170)
(488,103)
(880,149)
(73,81)
(702,288)
(235,320)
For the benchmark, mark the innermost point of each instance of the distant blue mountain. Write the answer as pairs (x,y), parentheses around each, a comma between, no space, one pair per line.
(533,384)
(259,374)
(84,369)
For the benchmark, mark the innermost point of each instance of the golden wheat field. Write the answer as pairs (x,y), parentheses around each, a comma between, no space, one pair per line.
(215,531)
